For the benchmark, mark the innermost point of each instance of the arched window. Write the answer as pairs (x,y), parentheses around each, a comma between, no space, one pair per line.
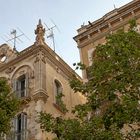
(58,92)
(21,86)
(20,126)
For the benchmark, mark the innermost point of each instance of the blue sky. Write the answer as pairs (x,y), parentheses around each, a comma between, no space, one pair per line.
(68,15)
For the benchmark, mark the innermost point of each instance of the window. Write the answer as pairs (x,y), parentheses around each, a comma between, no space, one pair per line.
(19,128)
(59,104)
(58,92)
(21,86)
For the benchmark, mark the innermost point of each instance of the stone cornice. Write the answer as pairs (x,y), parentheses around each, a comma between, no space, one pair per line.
(107,19)
(91,40)
(21,55)
(57,61)
(48,53)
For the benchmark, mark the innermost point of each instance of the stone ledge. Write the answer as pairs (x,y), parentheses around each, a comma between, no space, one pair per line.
(40,95)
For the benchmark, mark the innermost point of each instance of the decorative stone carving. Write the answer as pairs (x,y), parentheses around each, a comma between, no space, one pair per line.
(43,58)
(6,53)
(32,74)
(36,59)
(40,95)
(40,57)
(3,51)
(10,69)
(40,31)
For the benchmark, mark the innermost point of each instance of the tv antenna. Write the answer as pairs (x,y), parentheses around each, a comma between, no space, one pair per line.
(51,33)
(114,5)
(14,37)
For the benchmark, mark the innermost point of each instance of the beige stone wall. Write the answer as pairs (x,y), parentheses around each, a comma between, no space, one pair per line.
(42,72)
(89,36)
(88,46)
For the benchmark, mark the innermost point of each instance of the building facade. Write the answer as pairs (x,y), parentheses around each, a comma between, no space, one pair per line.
(37,76)
(89,36)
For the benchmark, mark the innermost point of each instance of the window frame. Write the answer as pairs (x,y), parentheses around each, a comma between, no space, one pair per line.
(58,89)
(20,90)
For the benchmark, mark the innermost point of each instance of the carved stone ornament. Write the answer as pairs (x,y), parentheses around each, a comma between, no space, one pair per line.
(40,57)
(40,95)
(43,58)
(40,32)
(6,53)
(10,69)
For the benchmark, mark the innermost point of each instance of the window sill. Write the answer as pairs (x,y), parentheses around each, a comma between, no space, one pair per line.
(58,108)
(25,100)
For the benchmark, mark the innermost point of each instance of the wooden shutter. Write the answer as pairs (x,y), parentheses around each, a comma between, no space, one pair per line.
(27,84)
(14,85)
(16,128)
(24,121)
(23,125)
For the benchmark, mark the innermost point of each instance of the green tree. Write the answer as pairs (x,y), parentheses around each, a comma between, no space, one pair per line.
(112,92)
(9,105)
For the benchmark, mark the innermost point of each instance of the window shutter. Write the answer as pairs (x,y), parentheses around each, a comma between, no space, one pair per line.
(15,128)
(23,124)
(27,84)
(18,88)
(16,124)
(12,135)
(24,121)
(14,85)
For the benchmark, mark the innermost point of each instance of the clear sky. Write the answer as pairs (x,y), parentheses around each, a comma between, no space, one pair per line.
(68,15)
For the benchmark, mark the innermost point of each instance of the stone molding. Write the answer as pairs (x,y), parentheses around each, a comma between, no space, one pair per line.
(48,55)
(103,34)
(131,8)
(10,69)
(40,95)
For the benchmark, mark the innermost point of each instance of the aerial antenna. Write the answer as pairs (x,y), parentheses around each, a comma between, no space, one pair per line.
(114,5)
(23,34)
(51,32)
(14,37)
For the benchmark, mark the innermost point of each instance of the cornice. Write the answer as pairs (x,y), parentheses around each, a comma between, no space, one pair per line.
(107,18)
(21,56)
(103,34)
(48,53)
(58,62)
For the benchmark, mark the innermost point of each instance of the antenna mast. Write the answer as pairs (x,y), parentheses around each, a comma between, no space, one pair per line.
(51,34)
(14,38)
(14,33)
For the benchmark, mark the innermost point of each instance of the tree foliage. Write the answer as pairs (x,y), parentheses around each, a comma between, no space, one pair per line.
(112,92)
(9,105)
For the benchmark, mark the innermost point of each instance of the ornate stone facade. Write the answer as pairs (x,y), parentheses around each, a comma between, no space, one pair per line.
(89,36)
(32,73)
